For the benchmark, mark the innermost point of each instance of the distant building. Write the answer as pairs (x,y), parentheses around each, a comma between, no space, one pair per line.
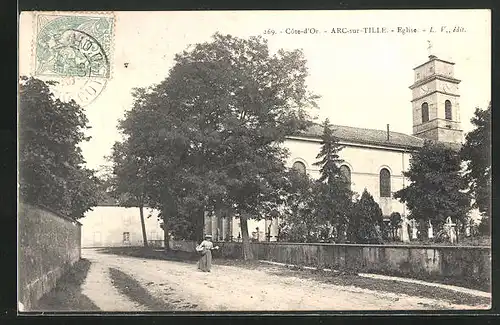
(110,225)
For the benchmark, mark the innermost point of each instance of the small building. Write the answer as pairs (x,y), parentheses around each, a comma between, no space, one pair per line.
(111,225)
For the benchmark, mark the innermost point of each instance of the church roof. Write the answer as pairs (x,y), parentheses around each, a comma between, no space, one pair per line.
(372,136)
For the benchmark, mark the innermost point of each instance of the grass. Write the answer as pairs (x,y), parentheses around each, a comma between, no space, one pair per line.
(67,295)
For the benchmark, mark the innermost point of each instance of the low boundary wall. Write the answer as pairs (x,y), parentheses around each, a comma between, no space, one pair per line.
(472,263)
(48,245)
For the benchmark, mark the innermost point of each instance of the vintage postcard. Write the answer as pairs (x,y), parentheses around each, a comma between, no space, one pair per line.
(213,161)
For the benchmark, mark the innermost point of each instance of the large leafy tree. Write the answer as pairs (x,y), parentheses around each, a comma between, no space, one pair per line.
(51,164)
(156,142)
(366,220)
(212,129)
(246,100)
(334,196)
(437,189)
(476,152)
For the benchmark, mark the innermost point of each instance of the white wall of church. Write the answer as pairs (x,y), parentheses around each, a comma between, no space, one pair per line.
(365,163)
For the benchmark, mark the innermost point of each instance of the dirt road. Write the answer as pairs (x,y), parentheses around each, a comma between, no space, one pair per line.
(229,288)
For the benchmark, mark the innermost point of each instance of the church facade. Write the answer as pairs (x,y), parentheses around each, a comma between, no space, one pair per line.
(373,159)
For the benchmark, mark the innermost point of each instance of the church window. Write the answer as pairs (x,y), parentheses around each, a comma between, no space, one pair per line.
(299,166)
(447,110)
(345,171)
(425,112)
(385,183)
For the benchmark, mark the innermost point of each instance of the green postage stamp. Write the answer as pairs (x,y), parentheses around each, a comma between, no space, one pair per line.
(74,49)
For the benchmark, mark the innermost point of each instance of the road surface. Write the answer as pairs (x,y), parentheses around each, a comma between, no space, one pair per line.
(230,288)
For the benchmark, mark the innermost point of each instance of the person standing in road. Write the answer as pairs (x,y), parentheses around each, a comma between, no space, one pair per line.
(205,250)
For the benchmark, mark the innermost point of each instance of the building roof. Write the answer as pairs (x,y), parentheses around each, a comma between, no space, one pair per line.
(372,136)
(106,200)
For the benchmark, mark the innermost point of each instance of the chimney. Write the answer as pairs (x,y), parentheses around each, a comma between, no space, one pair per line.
(387,132)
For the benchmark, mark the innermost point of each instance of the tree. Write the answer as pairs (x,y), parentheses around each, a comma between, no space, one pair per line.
(212,129)
(476,152)
(329,156)
(156,138)
(366,221)
(437,189)
(300,215)
(51,165)
(334,197)
(129,180)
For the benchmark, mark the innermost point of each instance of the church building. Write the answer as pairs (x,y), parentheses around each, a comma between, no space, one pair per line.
(373,159)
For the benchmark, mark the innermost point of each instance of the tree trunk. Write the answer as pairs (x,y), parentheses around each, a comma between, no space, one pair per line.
(247,249)
(199,225)
(166,237)
(143,225)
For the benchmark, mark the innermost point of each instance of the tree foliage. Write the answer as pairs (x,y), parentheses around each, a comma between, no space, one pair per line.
(211,130)
(437,189)
(334,196)
(51,164)
(300,213)
(129,180)
(476,152)
(366,221)
(329,160)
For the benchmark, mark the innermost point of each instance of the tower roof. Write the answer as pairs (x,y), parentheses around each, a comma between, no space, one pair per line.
(433,58)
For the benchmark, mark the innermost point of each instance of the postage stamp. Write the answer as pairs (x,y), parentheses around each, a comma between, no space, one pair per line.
(74,50)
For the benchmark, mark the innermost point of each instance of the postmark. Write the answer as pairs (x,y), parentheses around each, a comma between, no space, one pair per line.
(74,50)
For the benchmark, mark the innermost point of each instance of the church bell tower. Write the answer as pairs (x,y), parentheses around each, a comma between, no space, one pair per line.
(435,102)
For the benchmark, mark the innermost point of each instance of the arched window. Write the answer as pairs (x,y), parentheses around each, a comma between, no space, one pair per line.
(345,171)
(447,110)
(425,112)
(385,183)
(299,166)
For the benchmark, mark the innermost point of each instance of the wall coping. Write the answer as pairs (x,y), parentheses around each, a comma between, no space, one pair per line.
(42,207)
(369,245)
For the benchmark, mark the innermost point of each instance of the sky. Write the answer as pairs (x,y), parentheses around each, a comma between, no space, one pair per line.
(363,78)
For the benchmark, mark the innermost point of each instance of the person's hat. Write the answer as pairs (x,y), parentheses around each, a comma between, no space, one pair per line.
(208,236)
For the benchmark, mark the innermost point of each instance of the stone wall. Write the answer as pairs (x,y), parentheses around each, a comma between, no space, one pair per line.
(452,262)
(48,244)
